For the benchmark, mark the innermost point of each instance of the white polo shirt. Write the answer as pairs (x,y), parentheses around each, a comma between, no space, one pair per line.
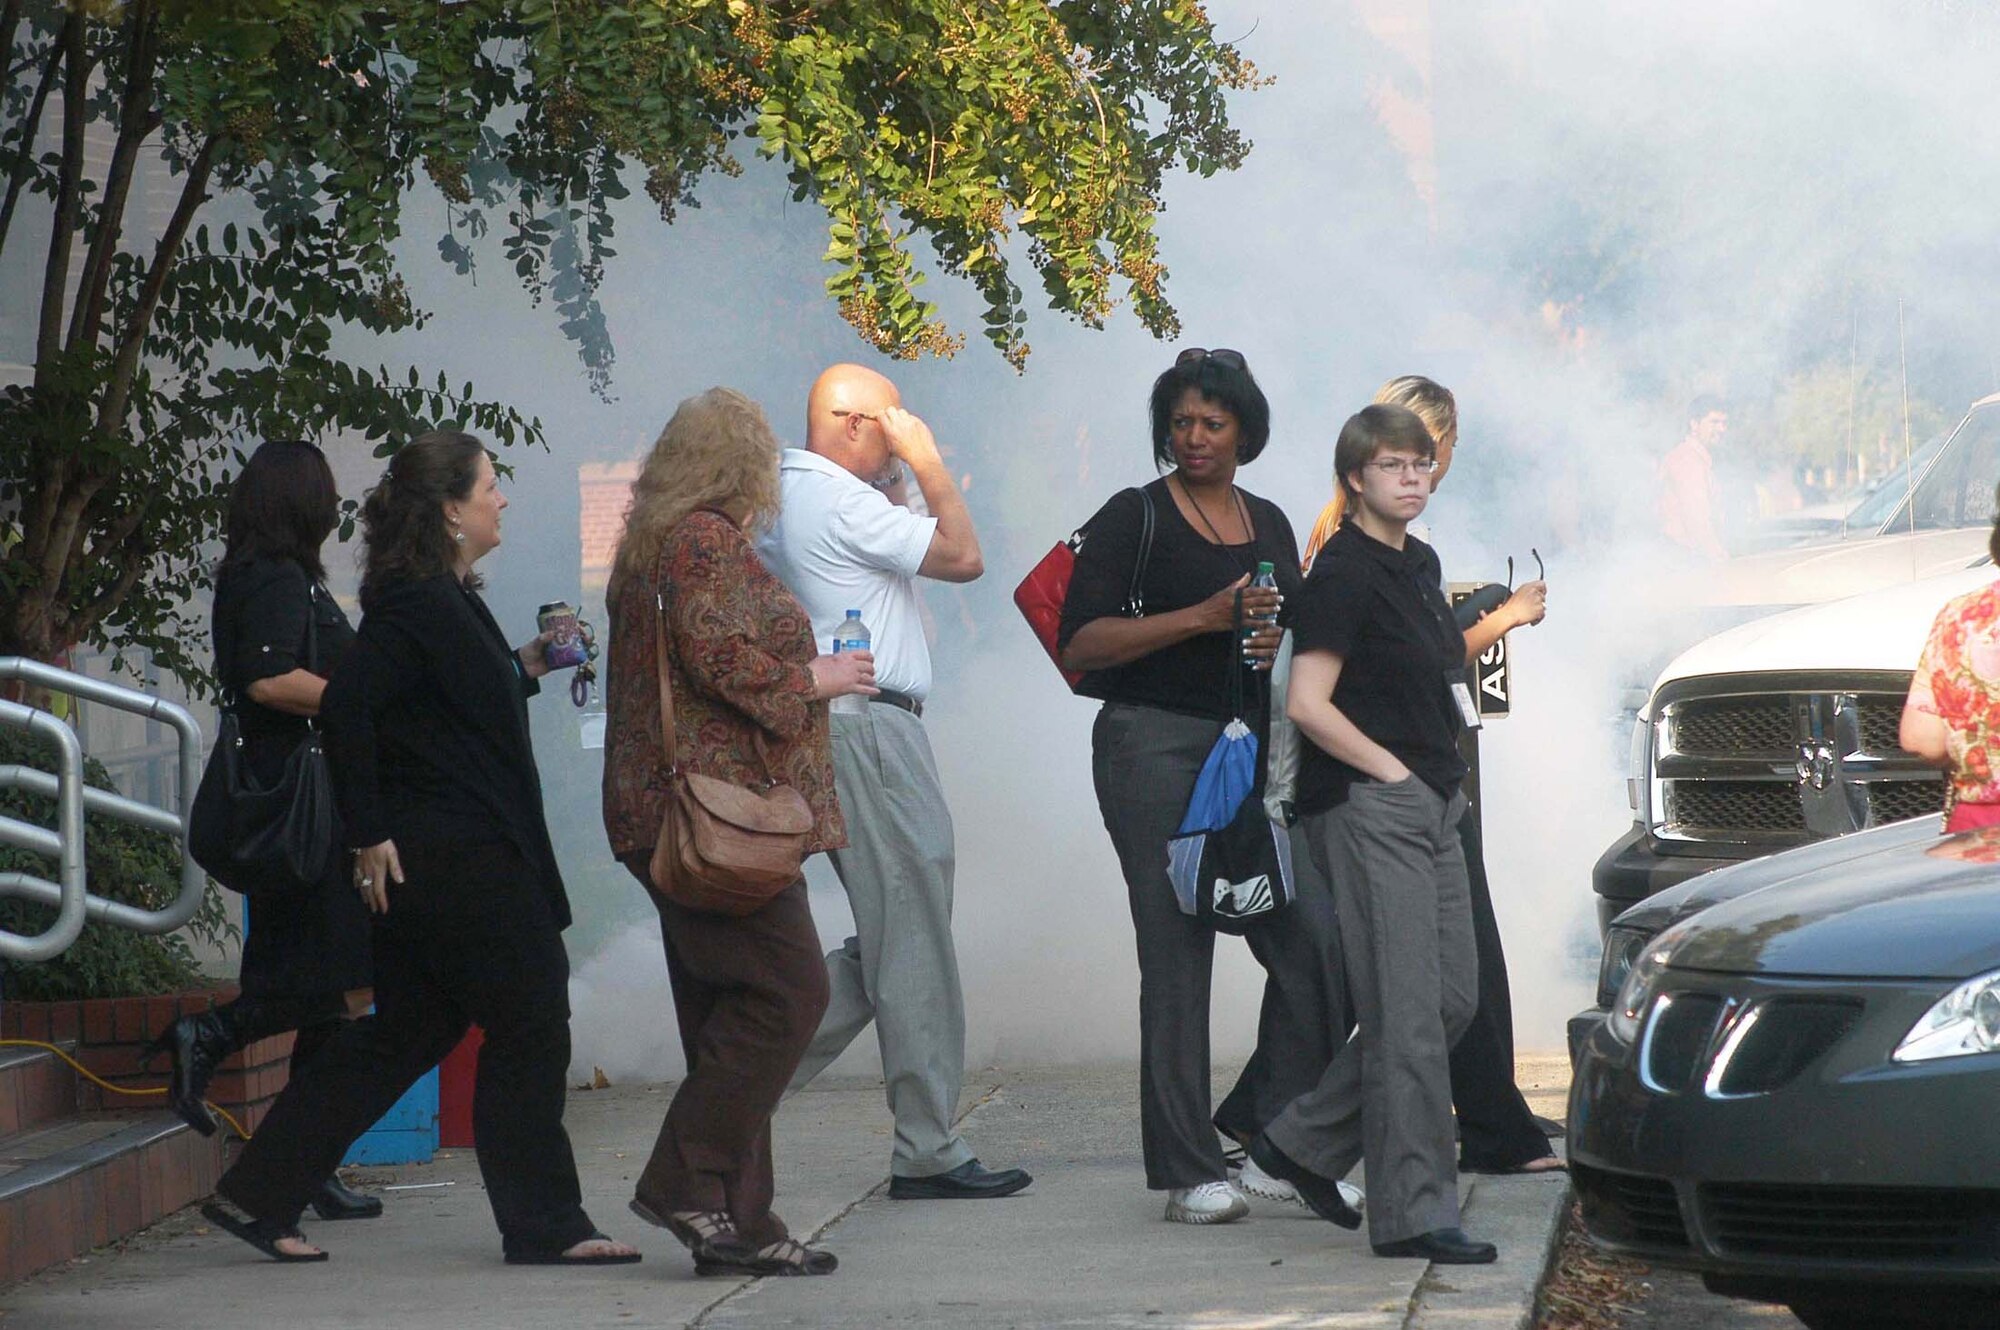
(840,545)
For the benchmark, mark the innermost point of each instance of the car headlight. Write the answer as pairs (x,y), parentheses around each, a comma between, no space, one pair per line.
(1963,1021)
(1636,993)
(1621,949)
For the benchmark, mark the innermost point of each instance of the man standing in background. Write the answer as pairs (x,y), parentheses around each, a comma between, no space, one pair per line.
(1688,498)
(841,545)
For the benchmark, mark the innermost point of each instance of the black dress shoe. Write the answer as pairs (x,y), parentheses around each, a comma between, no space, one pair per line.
(1321,1195)
(968,1182)
(1441,1246)
(336,1200)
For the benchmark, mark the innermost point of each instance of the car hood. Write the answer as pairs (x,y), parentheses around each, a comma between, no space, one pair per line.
(1880,630)
(1925,908)
(1810,574)
(1663,909)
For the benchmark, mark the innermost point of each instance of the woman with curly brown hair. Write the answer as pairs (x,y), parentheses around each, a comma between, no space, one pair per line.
(749,693)
(426,726)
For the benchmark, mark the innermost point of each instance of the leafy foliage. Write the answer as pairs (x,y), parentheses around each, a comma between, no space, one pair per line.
(985,128)
(124,863)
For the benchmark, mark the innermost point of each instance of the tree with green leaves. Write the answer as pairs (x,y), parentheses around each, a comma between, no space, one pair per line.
(290,134)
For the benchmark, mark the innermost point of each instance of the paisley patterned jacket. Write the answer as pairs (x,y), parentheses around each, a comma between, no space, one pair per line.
(739,646)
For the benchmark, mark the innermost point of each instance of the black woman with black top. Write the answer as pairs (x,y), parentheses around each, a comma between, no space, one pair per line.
(426,728)
(1164,678)
(277,635)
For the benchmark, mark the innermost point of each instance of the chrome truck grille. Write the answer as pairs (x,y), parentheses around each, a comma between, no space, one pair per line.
(1770,761)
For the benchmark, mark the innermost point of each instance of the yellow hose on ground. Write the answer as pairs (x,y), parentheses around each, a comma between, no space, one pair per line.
(103,1084)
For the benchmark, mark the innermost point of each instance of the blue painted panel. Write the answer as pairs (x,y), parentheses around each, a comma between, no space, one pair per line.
(407,1133)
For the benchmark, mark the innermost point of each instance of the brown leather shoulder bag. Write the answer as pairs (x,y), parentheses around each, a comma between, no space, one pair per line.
(723,848)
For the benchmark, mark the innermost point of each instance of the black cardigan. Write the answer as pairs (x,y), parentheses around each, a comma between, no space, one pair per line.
(426,724)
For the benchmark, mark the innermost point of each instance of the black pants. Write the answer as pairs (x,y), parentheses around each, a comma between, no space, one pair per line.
(1305,1016)
(468,937)
(1144,762)
(1495,1128)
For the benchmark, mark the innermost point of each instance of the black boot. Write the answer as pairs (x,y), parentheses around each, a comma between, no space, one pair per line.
(198,1044)
(336,1200)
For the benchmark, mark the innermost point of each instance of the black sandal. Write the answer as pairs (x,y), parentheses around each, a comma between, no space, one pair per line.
(788,1256)
(263,1234)
(559,1255)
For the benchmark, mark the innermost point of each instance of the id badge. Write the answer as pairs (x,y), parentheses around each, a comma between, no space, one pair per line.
(1468,710)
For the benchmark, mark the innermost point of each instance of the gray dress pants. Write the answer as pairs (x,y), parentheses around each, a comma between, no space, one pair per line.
(900,969)
(1398,872)
(1144,762)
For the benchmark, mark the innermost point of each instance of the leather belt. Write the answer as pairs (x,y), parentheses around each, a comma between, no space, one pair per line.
(896,699)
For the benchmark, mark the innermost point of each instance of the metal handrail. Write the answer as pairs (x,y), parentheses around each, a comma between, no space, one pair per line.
(69,894)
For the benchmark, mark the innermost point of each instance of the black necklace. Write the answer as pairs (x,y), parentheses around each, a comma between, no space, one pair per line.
(1243,515)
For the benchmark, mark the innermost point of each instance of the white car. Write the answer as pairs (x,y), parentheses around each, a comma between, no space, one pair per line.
(1775,733)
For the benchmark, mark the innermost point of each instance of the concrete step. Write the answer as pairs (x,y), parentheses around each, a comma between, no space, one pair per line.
(72,1183)
(36,1086)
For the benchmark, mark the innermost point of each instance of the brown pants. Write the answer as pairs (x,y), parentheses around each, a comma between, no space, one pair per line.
(748,992)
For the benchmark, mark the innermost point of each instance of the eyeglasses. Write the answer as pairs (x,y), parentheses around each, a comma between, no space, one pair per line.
(858,415)
(1222,355)
(1404,466)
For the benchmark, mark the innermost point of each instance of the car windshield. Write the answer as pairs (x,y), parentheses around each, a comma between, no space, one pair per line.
(1954,493)
(1867,517)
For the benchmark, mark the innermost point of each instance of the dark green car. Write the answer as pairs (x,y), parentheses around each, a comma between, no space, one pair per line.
(1792,1088)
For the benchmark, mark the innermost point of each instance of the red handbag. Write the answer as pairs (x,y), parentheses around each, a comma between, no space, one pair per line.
(1042,593)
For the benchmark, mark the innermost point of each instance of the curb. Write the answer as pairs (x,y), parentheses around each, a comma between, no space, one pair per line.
(1522,1216)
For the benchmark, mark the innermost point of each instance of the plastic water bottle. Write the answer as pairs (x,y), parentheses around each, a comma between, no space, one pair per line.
(1267,577)
(852,635)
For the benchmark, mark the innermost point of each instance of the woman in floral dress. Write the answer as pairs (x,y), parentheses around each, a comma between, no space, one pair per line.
(1952,716)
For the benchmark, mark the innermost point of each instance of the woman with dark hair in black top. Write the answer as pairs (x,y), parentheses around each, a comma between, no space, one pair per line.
(434,773)
(278,635)
(1164,678)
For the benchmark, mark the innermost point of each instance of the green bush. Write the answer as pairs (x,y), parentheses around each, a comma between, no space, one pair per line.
(122,863)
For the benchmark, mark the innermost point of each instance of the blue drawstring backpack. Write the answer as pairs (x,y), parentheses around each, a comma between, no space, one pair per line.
(1230,864)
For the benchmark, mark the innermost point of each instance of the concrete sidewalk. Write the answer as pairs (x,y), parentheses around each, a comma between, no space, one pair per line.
(1084,1247)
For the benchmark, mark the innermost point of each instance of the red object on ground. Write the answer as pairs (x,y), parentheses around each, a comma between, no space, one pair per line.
(457,1074)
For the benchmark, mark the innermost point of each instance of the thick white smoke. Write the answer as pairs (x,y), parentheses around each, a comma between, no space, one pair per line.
(1575,215)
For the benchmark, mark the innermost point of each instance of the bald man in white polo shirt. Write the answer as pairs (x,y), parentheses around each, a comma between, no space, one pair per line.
(840,545)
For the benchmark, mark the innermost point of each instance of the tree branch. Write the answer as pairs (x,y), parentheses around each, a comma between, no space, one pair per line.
(10,23)
(24,163)
(69,198)
(134,123)
(193,194)
(134,558)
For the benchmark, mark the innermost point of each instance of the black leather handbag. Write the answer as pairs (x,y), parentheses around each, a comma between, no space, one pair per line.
(266,839)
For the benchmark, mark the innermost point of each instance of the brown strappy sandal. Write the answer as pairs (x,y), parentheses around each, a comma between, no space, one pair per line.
(787,1256)
(703,1232)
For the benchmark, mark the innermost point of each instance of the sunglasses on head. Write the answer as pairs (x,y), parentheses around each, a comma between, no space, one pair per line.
(1222,355)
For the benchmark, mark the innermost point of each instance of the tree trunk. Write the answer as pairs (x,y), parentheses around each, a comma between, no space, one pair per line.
(69,199)
(135,122)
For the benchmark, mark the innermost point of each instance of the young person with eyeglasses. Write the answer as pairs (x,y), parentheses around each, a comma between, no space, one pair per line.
(1378,690)
(1164,679)
(1497,1131)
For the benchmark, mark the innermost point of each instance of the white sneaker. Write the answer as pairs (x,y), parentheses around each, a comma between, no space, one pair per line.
(1256,1182)
(1210,1203)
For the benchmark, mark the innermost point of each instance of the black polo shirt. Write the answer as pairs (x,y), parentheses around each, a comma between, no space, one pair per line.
(1381,611)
